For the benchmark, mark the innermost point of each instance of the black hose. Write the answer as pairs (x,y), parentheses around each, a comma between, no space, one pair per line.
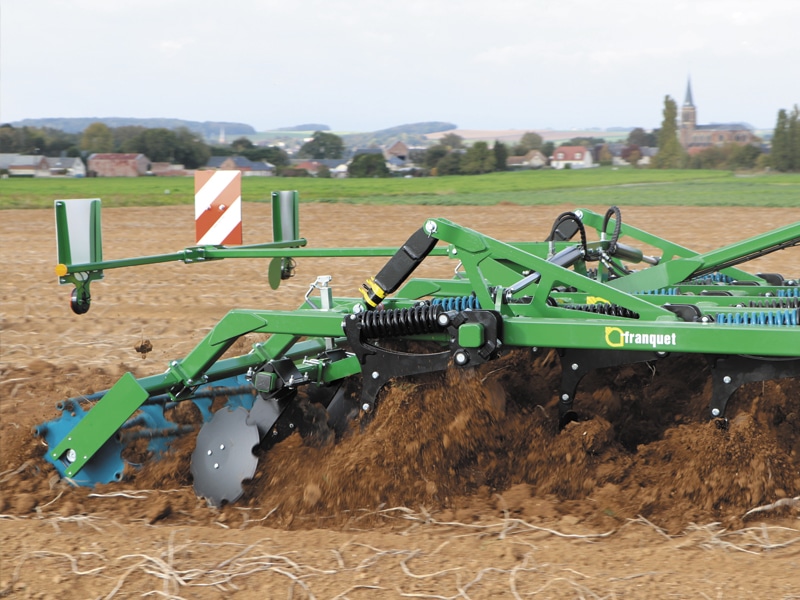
(614,210)
(563,218)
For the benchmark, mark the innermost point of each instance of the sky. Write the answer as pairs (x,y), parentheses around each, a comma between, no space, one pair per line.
(364,65)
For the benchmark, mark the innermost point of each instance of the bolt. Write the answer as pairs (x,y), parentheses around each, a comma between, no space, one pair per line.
(375,374)
(291,425)
(565,397)
(71,455)
(216,465)
(715,412)
(726,379)
(443,320)
(222,446)
(430,227)
(209,453)
(574,366)
(461,357)
(365,407)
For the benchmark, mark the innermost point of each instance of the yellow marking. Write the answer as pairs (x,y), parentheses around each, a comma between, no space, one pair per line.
(61,270)
(596,300)
(614,344)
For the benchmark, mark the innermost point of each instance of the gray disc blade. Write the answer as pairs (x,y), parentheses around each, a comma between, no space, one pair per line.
(223,457)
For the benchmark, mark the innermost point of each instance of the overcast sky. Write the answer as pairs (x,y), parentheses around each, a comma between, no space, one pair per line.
(362,65)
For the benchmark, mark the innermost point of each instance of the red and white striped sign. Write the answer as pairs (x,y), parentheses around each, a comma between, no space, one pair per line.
(218,207)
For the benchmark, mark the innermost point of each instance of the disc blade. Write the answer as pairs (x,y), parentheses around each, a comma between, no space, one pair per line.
(223,457)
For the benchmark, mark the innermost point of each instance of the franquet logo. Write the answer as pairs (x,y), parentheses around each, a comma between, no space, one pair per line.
(617,337)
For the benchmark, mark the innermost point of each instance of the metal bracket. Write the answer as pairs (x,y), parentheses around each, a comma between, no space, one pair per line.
(728,373)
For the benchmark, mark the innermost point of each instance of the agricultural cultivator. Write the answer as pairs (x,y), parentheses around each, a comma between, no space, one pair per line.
(588,290)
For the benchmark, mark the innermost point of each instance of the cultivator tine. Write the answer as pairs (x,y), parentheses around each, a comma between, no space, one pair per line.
(577,363)
(728,373)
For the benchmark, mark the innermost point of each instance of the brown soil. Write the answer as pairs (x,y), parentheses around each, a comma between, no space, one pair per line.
(460,486)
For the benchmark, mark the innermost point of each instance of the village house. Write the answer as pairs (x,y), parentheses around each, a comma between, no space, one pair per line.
(533,159)
(24,165)
(249,168)
(118,165)
(336,166)
(571,157)
(66,166)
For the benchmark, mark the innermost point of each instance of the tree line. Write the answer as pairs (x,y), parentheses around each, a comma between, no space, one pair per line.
(449,156)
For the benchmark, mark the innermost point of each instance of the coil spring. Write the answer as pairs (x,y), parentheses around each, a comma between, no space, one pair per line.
(457,302)
(401,321)
(782,318)
(715,277)
(776,303)
(792,292)
(601,308)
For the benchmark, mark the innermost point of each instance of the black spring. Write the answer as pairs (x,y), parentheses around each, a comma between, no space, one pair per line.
(401,321)
(601,308)
(776,303)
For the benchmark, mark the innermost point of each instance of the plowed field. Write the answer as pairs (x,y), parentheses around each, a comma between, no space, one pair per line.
(461,486)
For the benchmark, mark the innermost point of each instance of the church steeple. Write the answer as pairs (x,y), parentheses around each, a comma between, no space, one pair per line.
(688,117)
(688,100)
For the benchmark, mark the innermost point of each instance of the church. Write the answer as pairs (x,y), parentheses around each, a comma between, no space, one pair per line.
(696,137)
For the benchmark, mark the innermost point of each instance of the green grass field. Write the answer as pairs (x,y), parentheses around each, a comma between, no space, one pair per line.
(602,186)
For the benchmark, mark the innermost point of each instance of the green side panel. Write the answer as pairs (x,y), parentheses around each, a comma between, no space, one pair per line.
(102,422)
(62,234)
(96,241)
(660,276)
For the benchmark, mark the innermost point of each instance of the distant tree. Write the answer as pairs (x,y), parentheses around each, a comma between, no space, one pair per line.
(500,151)
(794,137)
(324,172)
(453,141)
(368,165)
(743,157)
(605,158)
(631,154)
(478,159)
(639,137)
(589,142)
(530,140)
(670,154)
(26,140)
(97,137)
(57,141)
(322,145)
(242,143)
(434,154)
(127,137)
(158,144)
(190,149)
(785,155)
(449,164)
(547,149)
